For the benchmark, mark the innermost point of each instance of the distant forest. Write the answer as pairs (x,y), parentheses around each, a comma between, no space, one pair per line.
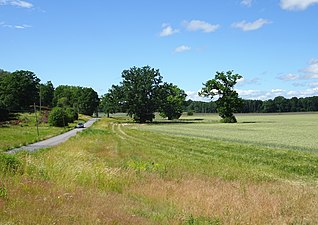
(276,105)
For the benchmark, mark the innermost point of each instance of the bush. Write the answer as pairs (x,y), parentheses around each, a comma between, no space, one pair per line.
(71,114)
(190,113)
(58,117)
(230,119)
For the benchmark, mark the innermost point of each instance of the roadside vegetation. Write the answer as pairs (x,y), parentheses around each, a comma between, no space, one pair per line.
(23,130)
(118,172)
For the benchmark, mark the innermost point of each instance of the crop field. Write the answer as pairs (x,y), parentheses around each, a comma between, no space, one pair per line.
(117,172)
(292,131)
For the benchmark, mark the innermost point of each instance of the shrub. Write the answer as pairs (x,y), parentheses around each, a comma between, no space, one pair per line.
(190,113)
(230,119)
(58,117)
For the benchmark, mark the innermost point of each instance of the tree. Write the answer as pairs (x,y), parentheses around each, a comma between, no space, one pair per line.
(4,113)
(47,94)
(84,100)
(140,88)
(112,102)
(172,101)
(228,102)
(88,101)
(19,90)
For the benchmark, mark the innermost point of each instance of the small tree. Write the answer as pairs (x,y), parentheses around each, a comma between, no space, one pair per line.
(228,102)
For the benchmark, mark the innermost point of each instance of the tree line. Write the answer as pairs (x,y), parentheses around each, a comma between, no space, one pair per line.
(140,94)
(277,105)
(21,90)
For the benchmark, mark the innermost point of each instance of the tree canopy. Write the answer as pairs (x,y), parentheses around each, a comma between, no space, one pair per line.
(141,94)
(83,100)
(223,86)
(172,101)
(19,90)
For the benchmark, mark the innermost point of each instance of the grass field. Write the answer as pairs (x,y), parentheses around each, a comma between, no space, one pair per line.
(121,173)
(292,131)
(15,135)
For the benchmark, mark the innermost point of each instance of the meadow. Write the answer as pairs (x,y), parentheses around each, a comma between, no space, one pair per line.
(23,131)
(118,172)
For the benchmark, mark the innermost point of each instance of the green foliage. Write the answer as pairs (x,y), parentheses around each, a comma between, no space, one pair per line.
(10,164)
(19,90)
(142,166)
(171,101)
(202,221)
(141,94)
(112,101)
(4,113)
(58,117)
(228,101)
(71,115)
(88,101)
(85,100)
(47,94)
(190,113)
(140,87)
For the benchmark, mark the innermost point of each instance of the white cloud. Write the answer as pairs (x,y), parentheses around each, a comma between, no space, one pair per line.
(247,2)
(182,48)
(297,4)
(312,70)
(263,94)
(19,3)
(313,84)
(243,81)
(249,26)
(24,26)
(196,25)
(289,77)
(167,30)
(193,95)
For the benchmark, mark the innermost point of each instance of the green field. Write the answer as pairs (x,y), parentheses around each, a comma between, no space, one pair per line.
(292,131)
(118,172)
(23,131)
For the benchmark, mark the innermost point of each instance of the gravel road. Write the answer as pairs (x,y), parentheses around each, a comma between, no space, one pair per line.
(52,141)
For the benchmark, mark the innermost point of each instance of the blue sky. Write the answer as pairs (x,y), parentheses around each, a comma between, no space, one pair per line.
(273,44)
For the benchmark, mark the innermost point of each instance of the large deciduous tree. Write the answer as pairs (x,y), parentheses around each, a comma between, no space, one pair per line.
(172,101)
(140,88)
(88,101)
(19,90)
(141,94)
(223,86)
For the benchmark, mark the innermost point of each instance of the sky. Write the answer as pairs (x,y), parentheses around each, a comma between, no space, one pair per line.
(273,44)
